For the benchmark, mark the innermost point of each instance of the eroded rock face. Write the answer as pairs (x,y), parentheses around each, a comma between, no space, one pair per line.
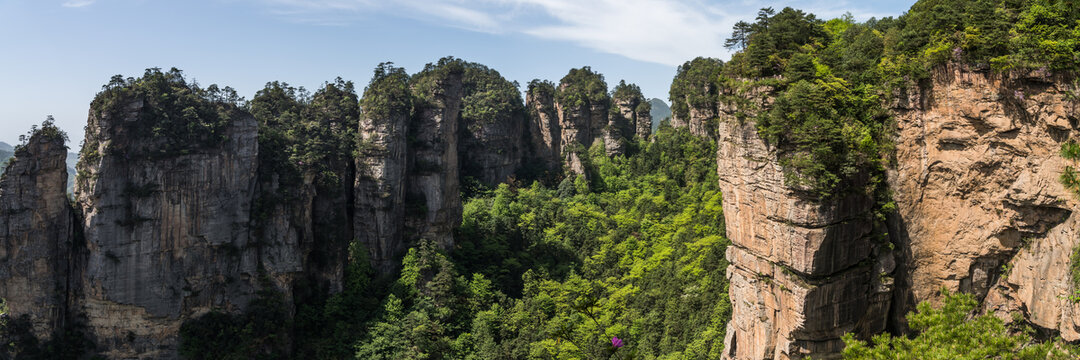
(36,234)
(492,142)
(168,236)
(977,188)
(576,137)
(544,130)
(379,214)
(433,198)
(629,117)
(803,271)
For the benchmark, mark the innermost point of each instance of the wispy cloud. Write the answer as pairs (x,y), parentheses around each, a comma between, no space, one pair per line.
(77,3)
(659,31)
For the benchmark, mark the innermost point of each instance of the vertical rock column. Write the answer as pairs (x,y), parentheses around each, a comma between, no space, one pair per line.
(433,199)
(167,231)
(803,271)
(544,129)
(36,233)
(491,127)
(380,181)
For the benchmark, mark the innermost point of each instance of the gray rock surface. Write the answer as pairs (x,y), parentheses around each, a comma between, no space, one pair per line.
(168,237)
(36,250)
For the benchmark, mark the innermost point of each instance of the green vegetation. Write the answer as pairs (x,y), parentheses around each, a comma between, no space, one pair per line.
(1069,177)
(582,87)
(19,342)
(635,254)
(695,86)
(46,132)
(178,117)
(488,96)
(301,133)
(1074,272)
(260,332)
(953,331)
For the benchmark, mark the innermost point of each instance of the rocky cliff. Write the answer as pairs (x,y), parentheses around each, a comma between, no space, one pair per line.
(566,120)
(36,239)
(804,270)
(381,168)
(166,226)
(545,135)
(492,127)
(432,196)
(981,209)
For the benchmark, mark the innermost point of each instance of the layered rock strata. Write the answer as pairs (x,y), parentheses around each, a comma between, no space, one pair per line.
(980,205)
(804,271)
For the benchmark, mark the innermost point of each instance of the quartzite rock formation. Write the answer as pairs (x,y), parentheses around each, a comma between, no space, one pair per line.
(586,114)
(980,210)
(36,234)
(803,271)
(976,183)
(168,237)
(433,197)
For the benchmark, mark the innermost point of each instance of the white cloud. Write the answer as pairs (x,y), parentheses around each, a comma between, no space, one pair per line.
(77,3)
(659,31)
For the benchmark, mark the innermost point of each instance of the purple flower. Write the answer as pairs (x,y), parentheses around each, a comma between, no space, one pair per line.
(1019,95)
(616,342)
(956,52)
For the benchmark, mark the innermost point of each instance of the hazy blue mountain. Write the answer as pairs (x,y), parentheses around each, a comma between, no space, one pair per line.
(72,158)
(660,111)
(6,147)
(4,156)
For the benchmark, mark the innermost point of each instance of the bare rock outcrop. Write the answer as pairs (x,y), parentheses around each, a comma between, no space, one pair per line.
(629,117)
(379,211)
(36,247)
(980,205)
(432,197)
(804,271)
(545,133)
(582,103)
(167,227)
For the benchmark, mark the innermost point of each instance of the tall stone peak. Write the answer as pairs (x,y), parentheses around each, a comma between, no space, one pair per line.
(36,250)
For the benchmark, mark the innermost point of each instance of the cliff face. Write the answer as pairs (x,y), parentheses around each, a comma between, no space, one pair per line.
(980,205)
(629,117)
(36,247)
(433,198)
(980,209)
(803,271)
(576,136)
(380,181)
(545,133)
(492,126)
(168,236)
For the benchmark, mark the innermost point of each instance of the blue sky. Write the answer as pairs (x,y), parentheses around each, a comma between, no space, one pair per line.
(56,54)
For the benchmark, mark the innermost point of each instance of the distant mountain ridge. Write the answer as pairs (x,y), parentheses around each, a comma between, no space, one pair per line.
(660,111)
